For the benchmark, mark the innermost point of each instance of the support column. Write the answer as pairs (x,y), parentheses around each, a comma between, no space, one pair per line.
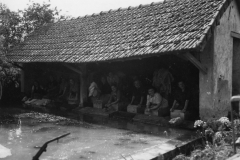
(83,85)
(22,79)
(206,94)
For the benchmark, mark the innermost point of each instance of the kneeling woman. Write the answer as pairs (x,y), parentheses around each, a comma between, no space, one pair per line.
(155,103)
(114,99)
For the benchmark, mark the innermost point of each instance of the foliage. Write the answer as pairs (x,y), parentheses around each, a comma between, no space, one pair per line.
(221,152)
(217,135)
(9,28)
(211,153)
(214,131)
(181,157)
(15,26)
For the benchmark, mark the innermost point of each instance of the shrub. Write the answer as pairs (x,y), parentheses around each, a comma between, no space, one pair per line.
(217,138)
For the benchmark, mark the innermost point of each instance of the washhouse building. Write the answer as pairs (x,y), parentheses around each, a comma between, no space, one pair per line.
(195,40)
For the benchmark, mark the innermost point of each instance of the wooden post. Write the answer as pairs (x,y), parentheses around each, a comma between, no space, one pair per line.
(73,69)
(22,79)
(83,85)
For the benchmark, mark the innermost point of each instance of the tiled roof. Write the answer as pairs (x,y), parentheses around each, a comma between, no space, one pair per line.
(157,28)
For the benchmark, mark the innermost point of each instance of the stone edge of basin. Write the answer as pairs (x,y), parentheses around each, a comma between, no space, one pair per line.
(169,155)
(235,157)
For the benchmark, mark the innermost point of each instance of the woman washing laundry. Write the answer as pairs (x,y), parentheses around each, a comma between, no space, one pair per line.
(155,102)
(181,99)
(114,98)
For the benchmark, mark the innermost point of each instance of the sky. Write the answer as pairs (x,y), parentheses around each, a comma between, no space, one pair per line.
(76,8)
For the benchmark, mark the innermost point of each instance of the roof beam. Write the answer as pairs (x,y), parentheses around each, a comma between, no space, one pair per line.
(235,34)
(195,62)
(72,68)
(17,65)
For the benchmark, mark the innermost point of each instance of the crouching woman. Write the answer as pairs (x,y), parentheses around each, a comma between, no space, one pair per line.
(156,104)
(114,99)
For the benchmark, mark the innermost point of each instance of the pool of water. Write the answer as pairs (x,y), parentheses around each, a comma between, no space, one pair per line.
(22,138)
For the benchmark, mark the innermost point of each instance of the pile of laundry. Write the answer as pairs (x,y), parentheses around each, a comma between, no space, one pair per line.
(38,102)
(176,121)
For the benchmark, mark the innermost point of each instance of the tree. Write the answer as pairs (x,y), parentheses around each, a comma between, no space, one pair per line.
(15,26)
(9,35)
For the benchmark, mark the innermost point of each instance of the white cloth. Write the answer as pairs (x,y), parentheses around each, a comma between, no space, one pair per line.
(157,99)
(30,101)
(4,152)
(41,102)
(93,89)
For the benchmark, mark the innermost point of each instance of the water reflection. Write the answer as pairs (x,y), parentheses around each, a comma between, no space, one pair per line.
(16,132)
(19,130)
(166,133)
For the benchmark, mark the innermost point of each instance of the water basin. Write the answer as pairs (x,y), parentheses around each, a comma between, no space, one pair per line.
(86,141)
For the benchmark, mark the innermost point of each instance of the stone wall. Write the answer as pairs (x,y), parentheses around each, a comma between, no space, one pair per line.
(206,82)
(216,85)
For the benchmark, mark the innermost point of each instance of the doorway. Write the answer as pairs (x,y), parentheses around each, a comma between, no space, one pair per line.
(236,71)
